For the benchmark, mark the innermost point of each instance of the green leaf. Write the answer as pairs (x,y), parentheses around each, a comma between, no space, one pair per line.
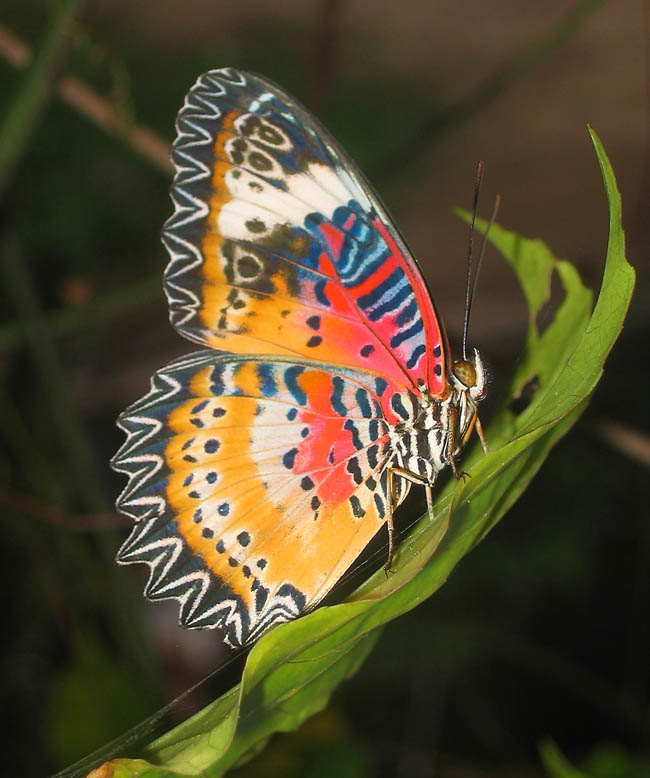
(293,669)
(613,760)
(556,764)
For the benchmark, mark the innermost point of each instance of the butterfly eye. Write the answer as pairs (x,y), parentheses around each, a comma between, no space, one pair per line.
(465,372)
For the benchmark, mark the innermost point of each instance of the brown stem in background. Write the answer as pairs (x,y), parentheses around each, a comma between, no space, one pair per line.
(92,522)
(88,103)
(626,440)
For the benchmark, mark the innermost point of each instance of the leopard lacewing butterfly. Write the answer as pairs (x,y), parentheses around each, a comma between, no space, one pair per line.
(260,467)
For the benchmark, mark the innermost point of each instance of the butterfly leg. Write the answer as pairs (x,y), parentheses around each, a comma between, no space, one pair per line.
(414,479)
(428,490)
(389,520)
(453,423)
(481,435)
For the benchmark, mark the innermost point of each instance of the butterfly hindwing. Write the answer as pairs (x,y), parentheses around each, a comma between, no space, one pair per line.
(254,483)
(278,245)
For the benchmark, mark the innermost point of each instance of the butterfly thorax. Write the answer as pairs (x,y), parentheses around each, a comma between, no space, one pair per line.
(436,430)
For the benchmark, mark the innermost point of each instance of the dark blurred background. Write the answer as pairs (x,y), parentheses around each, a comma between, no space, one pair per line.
(541,636)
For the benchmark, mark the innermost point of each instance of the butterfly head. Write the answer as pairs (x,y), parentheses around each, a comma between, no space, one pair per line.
(469,384)
(469,376)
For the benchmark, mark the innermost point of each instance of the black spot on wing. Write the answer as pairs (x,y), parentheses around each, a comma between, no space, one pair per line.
(381,506)
(363,401)
(355,504)
(336,397)
(351,427)
(355,470)
(398,406)
(289,458)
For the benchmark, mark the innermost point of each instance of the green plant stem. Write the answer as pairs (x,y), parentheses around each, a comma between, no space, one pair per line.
(34,89)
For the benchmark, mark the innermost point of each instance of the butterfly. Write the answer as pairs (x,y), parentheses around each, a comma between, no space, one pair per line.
(260,467)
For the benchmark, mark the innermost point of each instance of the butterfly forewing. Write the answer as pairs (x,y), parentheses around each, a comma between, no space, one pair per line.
(279,246)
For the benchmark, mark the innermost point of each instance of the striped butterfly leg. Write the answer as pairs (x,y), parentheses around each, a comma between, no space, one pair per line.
(413,478)
(481,435)
(451,446)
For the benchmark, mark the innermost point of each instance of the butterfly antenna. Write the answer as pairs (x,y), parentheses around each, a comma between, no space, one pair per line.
(468,290)
(495,211)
